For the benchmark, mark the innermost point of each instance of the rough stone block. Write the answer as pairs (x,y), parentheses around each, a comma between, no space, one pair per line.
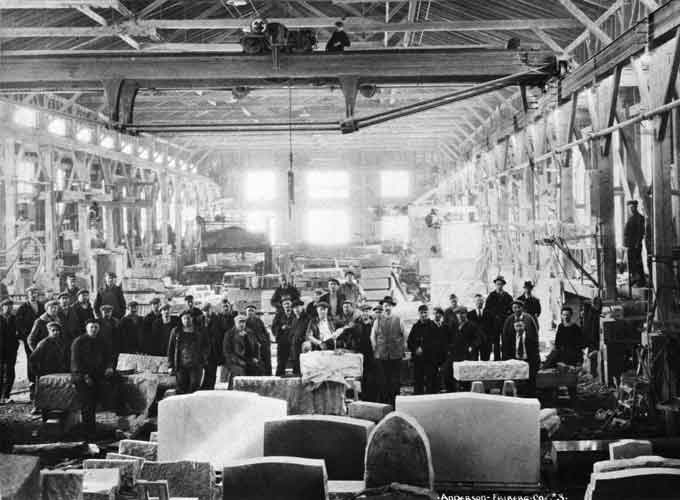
(339,441)
(184,478)
(399,452)
(60,484)
(479,438)
(636,463)
(153,437)
(469,371)
(20,477)
(348,364)
(142,363)
(549,421)
(101,484)
(629,448)
(367,410)
(344,490)
(56,392)
(214,426)
(650,483)
(283,478)
(129,469)
(120,456)
(397,491)
(143,449)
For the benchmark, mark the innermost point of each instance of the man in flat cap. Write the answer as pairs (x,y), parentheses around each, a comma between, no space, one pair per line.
(52,354)
(187,354)
(282,329)
(109,331)
(152,316)
(91,371)
(39,330)
(71,289)
(359,340)
(499,306)
(263,342)
(320,330)
(196,314)
(156,344)
(298,333)
(351,289)
(78,315)
(240,351)
(311,307)
(9,345)
(111,295)
(64,302)
(427,348)
(469,338)
(338,40)
(221,323)
(450,316)
(388,338)
(333,298)
(633,234)
(26,315)
(286,288)
(131,329)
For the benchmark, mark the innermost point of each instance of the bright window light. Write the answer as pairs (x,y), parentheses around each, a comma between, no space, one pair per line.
(126,147)
(260,185)
(107,142)
(327,227)
(84,135)
(394,183)
(262,221)
(57,126)
(26,117)
(327,184)
(158,158)
(143,153)
(394,228)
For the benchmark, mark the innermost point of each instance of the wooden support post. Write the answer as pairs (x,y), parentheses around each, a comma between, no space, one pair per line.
(564,125)
(10,174)
(46,157)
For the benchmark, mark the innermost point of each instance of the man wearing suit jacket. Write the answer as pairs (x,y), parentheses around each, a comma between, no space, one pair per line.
(334,299)
(484,321)
(523,345)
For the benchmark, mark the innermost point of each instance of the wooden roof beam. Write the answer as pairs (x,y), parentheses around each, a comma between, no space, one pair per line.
(615,7)
(59,4)
(87,11)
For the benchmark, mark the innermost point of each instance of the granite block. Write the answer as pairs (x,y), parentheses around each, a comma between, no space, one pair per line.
(129,469)
(60,484)
(283,478)
(142,363)
(143,449)
(346,363)
(56,392)
(120,456)
(650,483)
(629,448)
(636,463)
(153,437)
(339,441)
(137,392)
(368,410)
(20,476)
(469,371)
(101,484)
(479,438)
(399,451)
(214,426)
(184,478)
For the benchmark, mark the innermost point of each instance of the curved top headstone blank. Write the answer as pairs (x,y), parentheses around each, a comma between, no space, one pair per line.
(214,426)
(398,452)
(340,441)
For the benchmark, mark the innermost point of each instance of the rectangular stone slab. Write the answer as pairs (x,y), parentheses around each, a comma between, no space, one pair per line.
(339,441)
(479,438)
(20,477)
(283,478)
(142,363)
(348,364)
(634,484)
(60,484)
(469,371)
(101,484)
(214,426)
(129,469)
(184,478)
(144,449)
(636,463)
(120,456)
(368,410)
(629,448)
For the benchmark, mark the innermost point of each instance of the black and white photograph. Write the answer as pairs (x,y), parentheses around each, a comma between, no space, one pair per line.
(339,249)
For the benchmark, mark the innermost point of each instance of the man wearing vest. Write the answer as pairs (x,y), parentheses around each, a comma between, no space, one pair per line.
(388,338)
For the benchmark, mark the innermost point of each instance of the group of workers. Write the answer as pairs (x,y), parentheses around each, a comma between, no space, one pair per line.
(69,334)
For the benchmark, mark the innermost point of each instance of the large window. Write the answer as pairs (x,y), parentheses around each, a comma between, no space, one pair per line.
(394,228)
(394,183)
(327,184)
(26,117)
(260,185)
(57,126)
(327,227)
(262,221)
